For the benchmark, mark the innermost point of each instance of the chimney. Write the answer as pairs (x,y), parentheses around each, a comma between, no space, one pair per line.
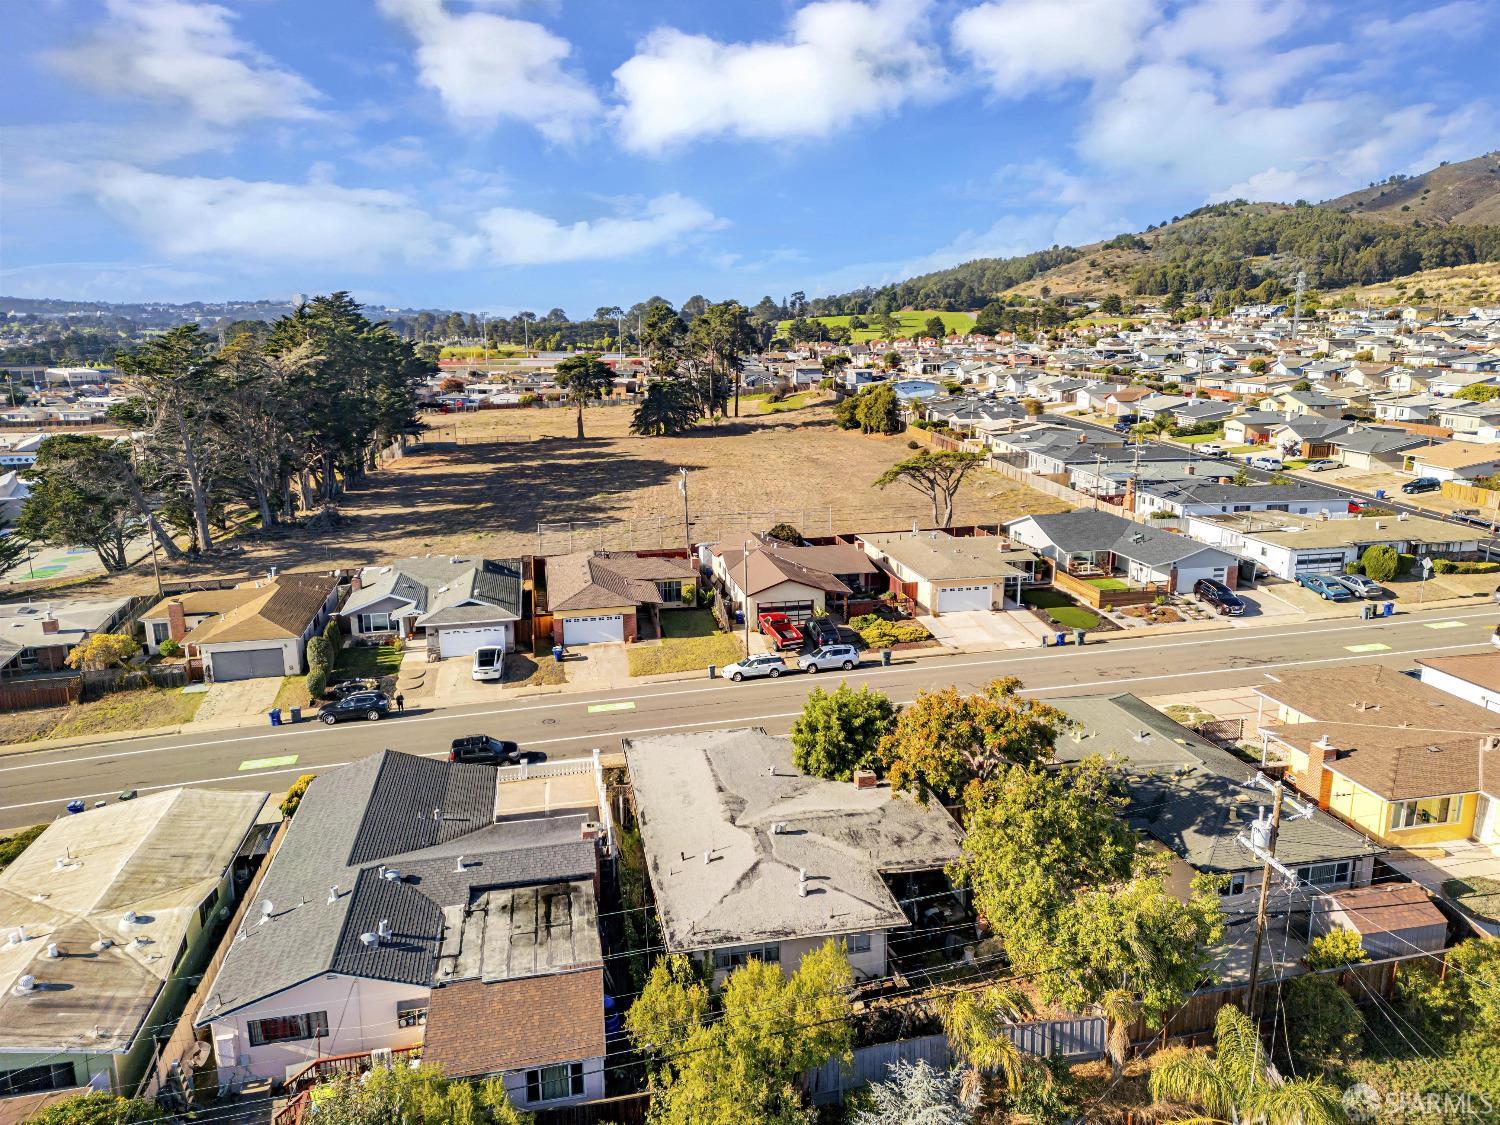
(864,779)
(176,620)
(1129,504)
(1318,780)
(1191,470)
(354,584)
(50,624)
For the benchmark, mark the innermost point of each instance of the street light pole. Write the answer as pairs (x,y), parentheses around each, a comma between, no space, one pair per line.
(1252,998)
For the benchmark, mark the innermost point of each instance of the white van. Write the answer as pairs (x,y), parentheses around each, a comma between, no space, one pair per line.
(489,662)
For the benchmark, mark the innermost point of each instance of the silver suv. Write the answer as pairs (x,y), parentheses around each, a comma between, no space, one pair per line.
(830,656)
(767,664)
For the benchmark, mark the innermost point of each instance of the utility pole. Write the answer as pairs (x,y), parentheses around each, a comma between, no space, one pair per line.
(1297,303)
(687,532)
(1261,842)
(745,594)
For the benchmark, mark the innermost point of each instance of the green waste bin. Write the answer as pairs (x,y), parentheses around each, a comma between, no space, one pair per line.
(1078,635)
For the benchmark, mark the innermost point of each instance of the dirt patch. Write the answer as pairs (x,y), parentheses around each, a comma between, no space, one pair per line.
(525,670)
(505,470)
(124,710)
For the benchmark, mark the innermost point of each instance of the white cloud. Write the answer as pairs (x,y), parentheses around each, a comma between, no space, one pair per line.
(185,52)
(841,61)
(514,237)
(319,223)
(1022,45)
(487,67)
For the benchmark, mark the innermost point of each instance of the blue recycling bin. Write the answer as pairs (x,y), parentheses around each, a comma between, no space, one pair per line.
(557,653)
(1380,494)
(1388,609)
(275,714)
(1060,639)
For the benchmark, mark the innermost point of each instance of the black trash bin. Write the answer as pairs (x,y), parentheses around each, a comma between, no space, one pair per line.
(885,658)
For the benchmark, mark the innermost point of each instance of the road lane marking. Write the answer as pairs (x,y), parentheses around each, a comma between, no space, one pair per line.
(268,763)
(1442,624)
(1032,657)
(1377,647)
(752,719)
(627,705)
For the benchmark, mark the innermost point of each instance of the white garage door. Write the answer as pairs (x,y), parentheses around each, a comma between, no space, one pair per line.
(591,630)
(1326,562)
(463,642)
(954,599)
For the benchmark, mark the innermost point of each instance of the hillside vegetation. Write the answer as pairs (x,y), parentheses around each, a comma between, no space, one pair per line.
(911,324)
(1466,193)
(1455,289)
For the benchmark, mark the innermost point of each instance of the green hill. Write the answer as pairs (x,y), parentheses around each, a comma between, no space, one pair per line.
(911,322)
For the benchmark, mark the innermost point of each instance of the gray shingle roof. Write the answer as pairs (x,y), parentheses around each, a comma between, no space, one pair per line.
(438,585)
(1086,531)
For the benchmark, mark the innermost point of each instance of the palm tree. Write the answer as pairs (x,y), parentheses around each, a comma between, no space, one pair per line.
(1237,1085)
(975,1023)
(1120,1009)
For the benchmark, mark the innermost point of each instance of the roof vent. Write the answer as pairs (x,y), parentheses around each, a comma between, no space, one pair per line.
(384,929)
(25,983)
(266,910)
(101,944)
(17,936)
(458,866)
(778,828)
(53,952)
(333,893)
(127,920)
(1142,736)
(370,940)
(1434,749)
(391,875)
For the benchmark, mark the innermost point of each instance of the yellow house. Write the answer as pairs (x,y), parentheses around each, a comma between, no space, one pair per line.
(1406,763)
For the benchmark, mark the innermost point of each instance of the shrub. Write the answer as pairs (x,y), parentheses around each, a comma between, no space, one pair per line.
(1322,1023)
(333,633)
(1380,563)
(317,684)
(169,648)
(1335,949)
(103,650)
(1404,564)
(293,798)
(1456,566)
(880,633)
(319,655)
(785,532)
(1163,514)
(98,1108)
(914,445)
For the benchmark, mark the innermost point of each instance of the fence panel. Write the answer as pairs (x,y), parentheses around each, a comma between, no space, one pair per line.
(25,696)
(829,1082)
(627,1109)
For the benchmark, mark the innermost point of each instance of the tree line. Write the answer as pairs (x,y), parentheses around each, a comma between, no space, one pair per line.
(275,420)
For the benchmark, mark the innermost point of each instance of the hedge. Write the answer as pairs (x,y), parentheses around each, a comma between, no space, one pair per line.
(1453,566)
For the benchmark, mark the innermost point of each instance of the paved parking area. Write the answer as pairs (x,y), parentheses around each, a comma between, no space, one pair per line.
(237,703)
(982,630)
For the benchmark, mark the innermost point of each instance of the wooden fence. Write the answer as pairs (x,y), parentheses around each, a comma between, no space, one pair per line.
(627,1109)
(97,683)
(1482,498)
(26,695)
(1090,594)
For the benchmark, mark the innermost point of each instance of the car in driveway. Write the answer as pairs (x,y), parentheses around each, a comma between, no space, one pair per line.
(354,687)
(484,750)
(1359,585)
(1320,465)
(763,664)
(370,705)
(829,656)
(822,631)
(1325,587)
(1422,484)
(1221,597)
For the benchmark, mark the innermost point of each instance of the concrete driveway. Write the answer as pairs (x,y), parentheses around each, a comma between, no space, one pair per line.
(985,630)
(237,703)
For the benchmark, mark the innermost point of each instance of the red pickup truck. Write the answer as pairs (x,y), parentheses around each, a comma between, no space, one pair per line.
(778,626)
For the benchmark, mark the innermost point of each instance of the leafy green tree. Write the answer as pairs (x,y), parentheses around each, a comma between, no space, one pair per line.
(1380,563)
(944,739)
(877,410)
(80,497)
(99,1108)
(934,328)
(1478,392)
(667,407)
(936,475)
(1322,1023)
(891,361)
(663,338)
(975,1023)
(584,379)
(1236,1084)
(839,730)
(103,650)
(1112,304)
(319,654)
(745,1065)
(916,1094)
(846,412)
(413,1096)
(722,337)
(1334,950)
(13,548)
(785,533)
(293,799)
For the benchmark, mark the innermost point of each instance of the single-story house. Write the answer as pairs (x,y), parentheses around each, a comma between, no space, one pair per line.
(1124,401)
(1374,448)
(1468,418)
(1474,676)
(1454,460)
(1190,796)
(947,573)
(597,596)
(108,914)
(749,858)
(413,902)
(1101,541)
(800,581)
(1307,436)
(174,617)
(267,634)
(1253,427)
(1197,411)
(459,603)
(1404,762)
(37,637)
(1200,496)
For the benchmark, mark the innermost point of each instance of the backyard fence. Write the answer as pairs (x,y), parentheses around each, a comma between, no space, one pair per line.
(28,695)
(97,683)
(666,532)
(1044,484)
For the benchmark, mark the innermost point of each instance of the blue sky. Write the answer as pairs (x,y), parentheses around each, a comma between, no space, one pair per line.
(494,155)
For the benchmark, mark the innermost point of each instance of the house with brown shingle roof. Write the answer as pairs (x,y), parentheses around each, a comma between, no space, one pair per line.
(596,596)
(266,633)
(765,575)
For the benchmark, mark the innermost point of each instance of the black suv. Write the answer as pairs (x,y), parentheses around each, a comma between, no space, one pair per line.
(1220,596)
(361,705)
(484,750)
(822,631)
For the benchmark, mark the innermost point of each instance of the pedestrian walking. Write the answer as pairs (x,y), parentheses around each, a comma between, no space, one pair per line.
(400,704)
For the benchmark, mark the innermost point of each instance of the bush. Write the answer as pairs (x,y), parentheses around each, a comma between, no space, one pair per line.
(333,633)
(785,532)
(293,798)
(1380,563)
(1322,1023)
(1356,567)
(914,445)
(1456,566)
(98,1108)
(103,650)
(1334,950)
(883,634)
(169,648)
(1404,564)
(1163,514)
(319,655)
(317,684)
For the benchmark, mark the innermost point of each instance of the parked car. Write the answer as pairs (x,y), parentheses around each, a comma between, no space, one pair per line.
(1359,585)
(1421,484)
(361,705)
(1265,463)
(1321,465)
(1122,427)
(489,663)
(483,750)
(1220,596)
(354,687)
(767,664)
(830,656)
(1325,586)
(822,631)
(1211,449)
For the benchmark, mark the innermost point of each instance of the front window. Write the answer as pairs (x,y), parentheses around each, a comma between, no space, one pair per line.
(552,1082)
(411,1013)
(1326,874)
(857,943)
(734,956)
(1428,810)
(670,591)
(281,1029)
(374,622)
(160,631)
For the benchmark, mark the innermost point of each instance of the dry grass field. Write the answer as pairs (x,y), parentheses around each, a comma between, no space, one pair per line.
(497,473)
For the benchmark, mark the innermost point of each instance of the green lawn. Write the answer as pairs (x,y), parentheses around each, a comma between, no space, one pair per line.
(910,322)
(1199,439)
(1476,893)
(1060,609)
(792,402)
(1107,584)
(359,662)
(690,640)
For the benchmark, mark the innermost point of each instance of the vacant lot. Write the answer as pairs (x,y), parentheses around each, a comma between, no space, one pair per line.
(124,710)
(912,322)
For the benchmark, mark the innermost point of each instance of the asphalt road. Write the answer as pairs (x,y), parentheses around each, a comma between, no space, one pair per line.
(35,786)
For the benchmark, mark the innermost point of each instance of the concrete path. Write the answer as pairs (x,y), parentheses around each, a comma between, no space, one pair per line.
(236,704)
